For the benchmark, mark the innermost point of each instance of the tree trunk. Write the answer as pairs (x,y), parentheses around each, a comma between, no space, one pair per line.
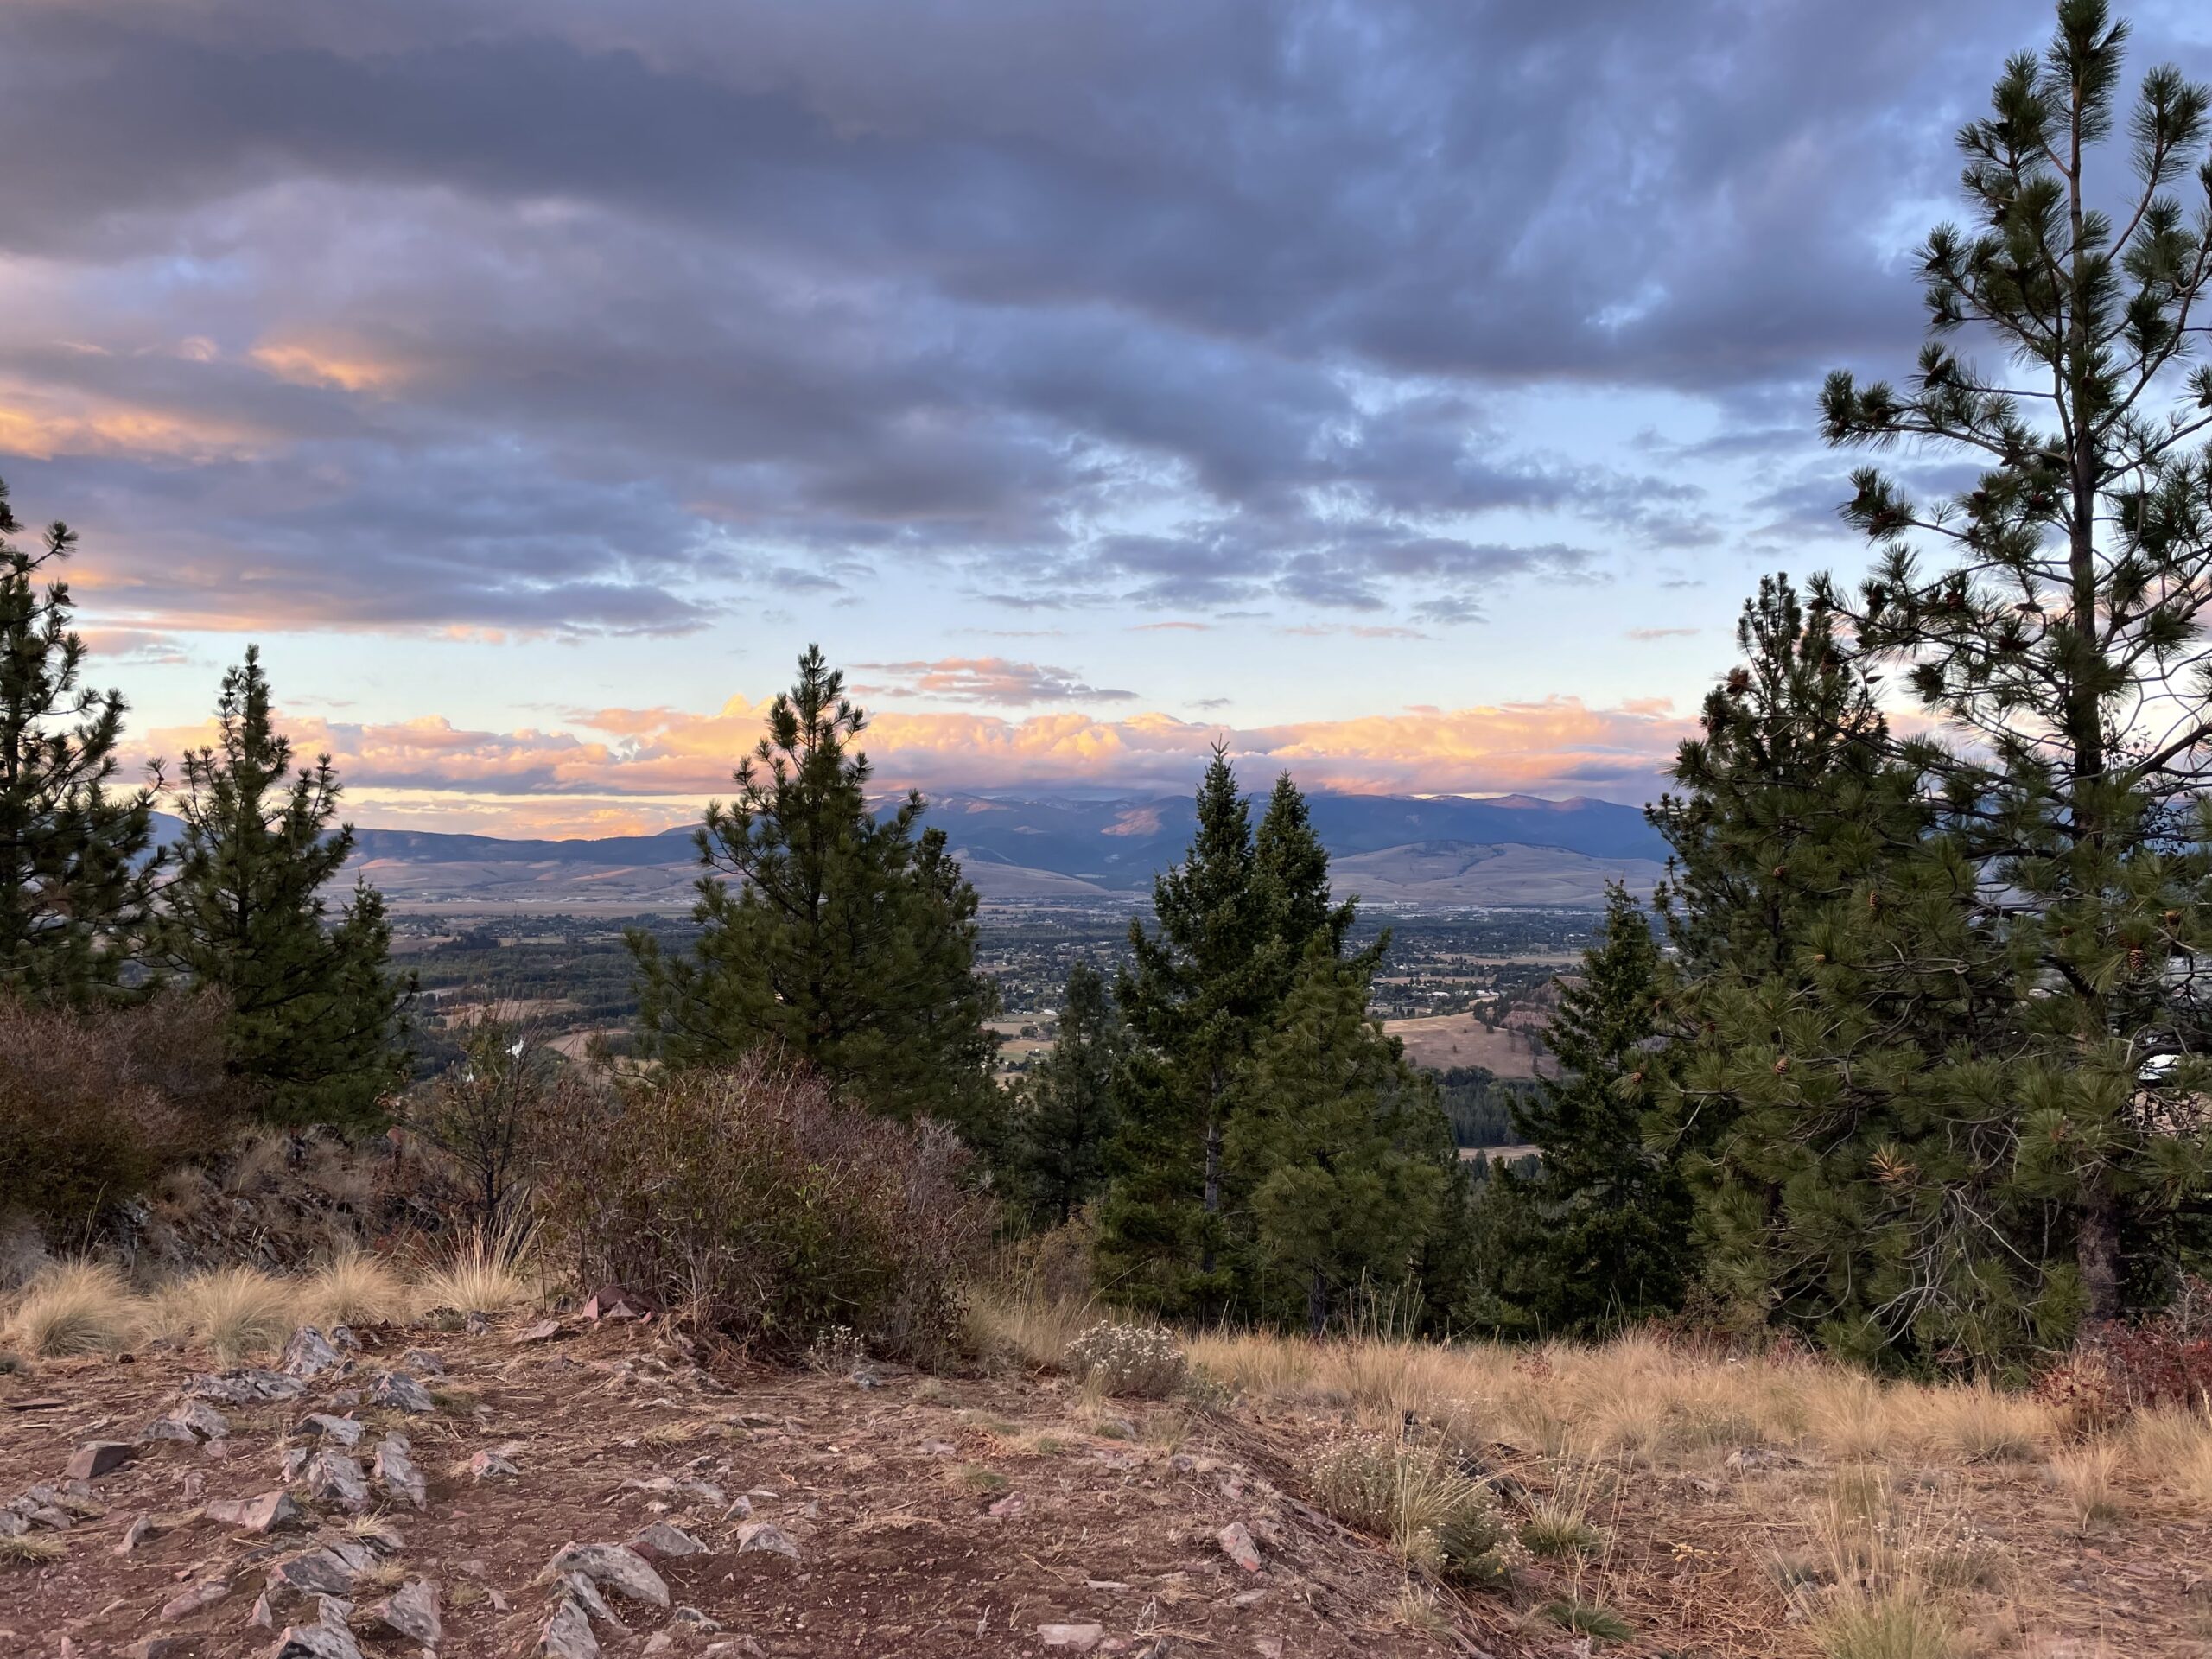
(2096,1248)
(1317,1305)
(1212,1192)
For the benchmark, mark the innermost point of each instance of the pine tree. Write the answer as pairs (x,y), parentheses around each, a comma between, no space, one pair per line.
(2060,633)
(1233,923)
(828,935)
(1343,1151)
(1606,1233)
(1069,1114)
(317,1019)
(74,869)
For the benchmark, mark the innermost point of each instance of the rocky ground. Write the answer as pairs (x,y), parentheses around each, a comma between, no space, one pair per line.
(572,1488)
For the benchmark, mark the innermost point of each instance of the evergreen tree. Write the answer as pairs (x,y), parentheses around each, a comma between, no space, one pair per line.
(2061,632)
(1233,921)
(828,935)
(316,1018)
(1607,1220)
(75,870)
(1068,1115)
(1345,1156)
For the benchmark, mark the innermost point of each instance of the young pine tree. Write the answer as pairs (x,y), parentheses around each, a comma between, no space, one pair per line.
(828,936)
(2052,613)
(316,1020)
(1233,921)
(1344,1159)
(74,869)
(1604,1224)
(1068,1116)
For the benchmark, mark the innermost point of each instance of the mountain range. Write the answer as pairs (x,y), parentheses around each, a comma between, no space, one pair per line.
(1514,851)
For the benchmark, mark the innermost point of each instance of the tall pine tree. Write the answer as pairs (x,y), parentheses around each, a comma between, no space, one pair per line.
(1605,1224)
(74,869)
(2051,613)
(1233,922)
(827,934)
(317,1019)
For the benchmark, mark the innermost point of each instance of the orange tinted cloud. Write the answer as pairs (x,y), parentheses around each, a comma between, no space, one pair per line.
(625,770)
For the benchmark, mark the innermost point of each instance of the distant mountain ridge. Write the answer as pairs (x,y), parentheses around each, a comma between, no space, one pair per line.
(1513,850)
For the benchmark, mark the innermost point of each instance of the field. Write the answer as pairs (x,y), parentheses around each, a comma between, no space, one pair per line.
(1445,1040)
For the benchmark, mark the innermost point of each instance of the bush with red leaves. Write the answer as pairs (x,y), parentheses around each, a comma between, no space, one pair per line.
(2165,1360)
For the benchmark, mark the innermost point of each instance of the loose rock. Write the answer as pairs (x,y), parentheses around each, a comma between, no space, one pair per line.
(767,1534)
(586,1596)
(316,1642)
(397,1473)
(135,1534)
(1235,1540)
(412,1611)
(327,1572)
(620,1568)
(340,1431)
(568,1635)
(422,1363)
(334,1478)
(244,1388)
(201,1596)
(400,1392)
(1077,1638)
(194,1421)
(661,1541)
(308,1354)
(261,1515)
(97,1457)
(492,1466)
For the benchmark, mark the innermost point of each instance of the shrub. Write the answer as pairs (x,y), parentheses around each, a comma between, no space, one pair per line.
(95,1106)
(1141,1360)
(494,1115)
(1419,1498)
(2116,1370)
(769,1210)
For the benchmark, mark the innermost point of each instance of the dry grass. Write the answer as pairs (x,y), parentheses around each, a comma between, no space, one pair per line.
(76,1307)
(2173,1448)
(2088,1478)
(1031,1329)
(30,1549)
(486,1273)
(232,1313)
(355,1288)
(1895,1624)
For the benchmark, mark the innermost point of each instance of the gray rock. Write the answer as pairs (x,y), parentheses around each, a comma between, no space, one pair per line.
(333,1610)
(307,1355)
(492,1464)
(338,1431)
(693,1617)
(192,1421)
(330,1570)
(395,1471)
(316,1642)
(397,1391)
(1235,1542)
(12,1524)
(767,1534)
(586,1595)
(618,1567)
(412,1611)
(244,1388)
(154,1647)
(1076,1638)
(97,1457)
(662,1543)
(422,1363)
(264,1616)
(568,1635)
(258,1515)
(332,1477)
(135,1534)
(200,1597)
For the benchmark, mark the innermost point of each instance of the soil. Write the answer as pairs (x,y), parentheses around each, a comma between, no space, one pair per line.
(931,1516)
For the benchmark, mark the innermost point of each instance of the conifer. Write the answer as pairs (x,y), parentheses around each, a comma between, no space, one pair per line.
(74,857)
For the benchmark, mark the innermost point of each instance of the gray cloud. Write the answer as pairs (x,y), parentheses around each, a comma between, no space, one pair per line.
(537,316)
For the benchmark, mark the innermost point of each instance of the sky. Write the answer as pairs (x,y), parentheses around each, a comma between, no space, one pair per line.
(1405,392)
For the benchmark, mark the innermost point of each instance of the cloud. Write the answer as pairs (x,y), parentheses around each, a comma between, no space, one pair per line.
(318,320)
(984,679)
(655,765)
(1643,635)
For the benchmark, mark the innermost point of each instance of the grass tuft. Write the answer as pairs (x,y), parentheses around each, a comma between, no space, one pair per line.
(77,1307)
(1588,1618)
(2088,1478)
(233,1313)
(1895,1624)
(355,1288)
(29,1549)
